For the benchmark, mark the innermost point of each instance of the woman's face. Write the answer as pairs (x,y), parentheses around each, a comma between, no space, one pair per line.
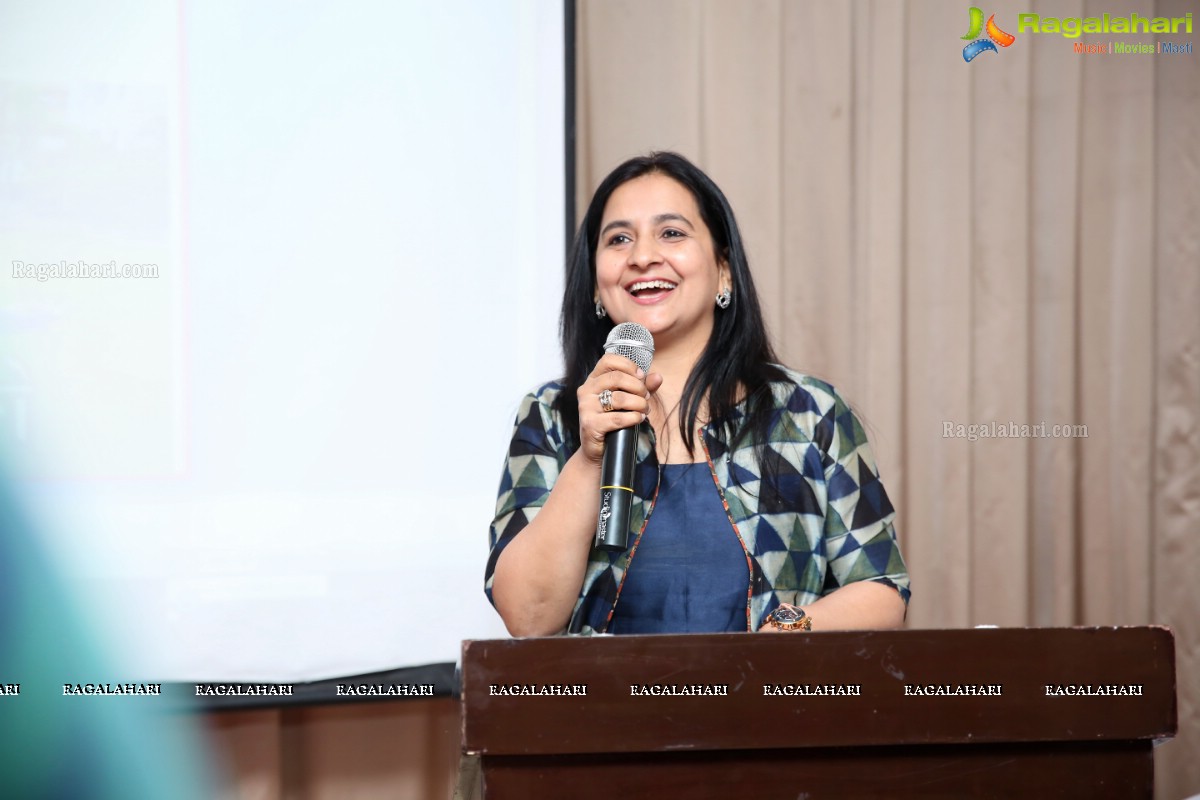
(656,264)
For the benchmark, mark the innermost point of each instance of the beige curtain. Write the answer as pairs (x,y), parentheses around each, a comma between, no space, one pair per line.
(1012,240)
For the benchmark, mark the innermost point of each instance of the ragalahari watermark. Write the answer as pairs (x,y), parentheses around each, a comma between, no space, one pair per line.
(82,269)
(1011,430)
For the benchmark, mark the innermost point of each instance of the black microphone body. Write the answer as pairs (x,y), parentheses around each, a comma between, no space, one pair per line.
(616,472)
(616,490)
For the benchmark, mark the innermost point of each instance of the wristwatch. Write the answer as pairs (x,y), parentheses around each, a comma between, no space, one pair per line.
(790,618)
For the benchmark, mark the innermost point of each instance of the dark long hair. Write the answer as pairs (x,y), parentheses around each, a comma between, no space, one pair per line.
(738,352)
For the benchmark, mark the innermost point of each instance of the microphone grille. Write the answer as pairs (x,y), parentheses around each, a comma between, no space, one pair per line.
(632,341)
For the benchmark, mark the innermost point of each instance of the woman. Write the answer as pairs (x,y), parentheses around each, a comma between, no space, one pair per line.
(757,503)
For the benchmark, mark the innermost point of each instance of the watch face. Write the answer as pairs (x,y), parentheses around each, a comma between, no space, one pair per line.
(788,615)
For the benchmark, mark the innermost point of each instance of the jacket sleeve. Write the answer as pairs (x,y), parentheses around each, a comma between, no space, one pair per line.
(536,455)
(860,539)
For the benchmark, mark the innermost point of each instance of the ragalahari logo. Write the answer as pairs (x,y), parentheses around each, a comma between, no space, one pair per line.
(995,36)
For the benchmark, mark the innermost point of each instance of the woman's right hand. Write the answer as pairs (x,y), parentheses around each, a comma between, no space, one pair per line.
(630,402)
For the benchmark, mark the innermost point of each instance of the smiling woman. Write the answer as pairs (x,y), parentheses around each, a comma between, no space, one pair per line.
(768,513)
(656,264)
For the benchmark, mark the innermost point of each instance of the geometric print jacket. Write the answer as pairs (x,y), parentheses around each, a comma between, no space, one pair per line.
(810,513)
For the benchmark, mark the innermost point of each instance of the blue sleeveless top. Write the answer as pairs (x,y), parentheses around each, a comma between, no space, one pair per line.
(689,573)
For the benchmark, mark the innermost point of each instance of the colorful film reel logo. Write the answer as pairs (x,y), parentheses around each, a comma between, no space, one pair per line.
(995,36)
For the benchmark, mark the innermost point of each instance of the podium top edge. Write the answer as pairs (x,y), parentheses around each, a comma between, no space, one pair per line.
(982,630)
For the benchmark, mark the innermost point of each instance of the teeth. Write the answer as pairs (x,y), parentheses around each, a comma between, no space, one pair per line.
(642,285)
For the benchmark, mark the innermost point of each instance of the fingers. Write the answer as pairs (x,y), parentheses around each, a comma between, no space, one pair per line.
(618,373)
(611,362)
(614,396)
(617,383)
(622,378)
(595,424)
(624,409)
(607,422)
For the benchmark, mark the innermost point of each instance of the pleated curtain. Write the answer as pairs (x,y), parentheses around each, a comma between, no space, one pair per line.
(1009,242)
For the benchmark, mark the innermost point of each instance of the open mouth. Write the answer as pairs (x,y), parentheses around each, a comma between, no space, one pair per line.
(650,290)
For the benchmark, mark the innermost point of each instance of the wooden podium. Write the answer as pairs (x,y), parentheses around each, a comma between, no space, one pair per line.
(1030,713)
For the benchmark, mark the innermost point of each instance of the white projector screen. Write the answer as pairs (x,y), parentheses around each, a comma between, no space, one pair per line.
(324,247)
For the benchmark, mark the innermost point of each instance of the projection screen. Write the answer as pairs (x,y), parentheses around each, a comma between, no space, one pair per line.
(276,278)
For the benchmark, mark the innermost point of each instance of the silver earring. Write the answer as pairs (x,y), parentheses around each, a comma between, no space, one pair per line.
(600,312)
(724,298)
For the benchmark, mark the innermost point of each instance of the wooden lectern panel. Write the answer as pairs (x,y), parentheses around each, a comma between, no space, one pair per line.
(940,713)
(1030,772)
(886,668)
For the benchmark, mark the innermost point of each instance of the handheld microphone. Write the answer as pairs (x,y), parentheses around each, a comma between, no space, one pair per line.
(616,474)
